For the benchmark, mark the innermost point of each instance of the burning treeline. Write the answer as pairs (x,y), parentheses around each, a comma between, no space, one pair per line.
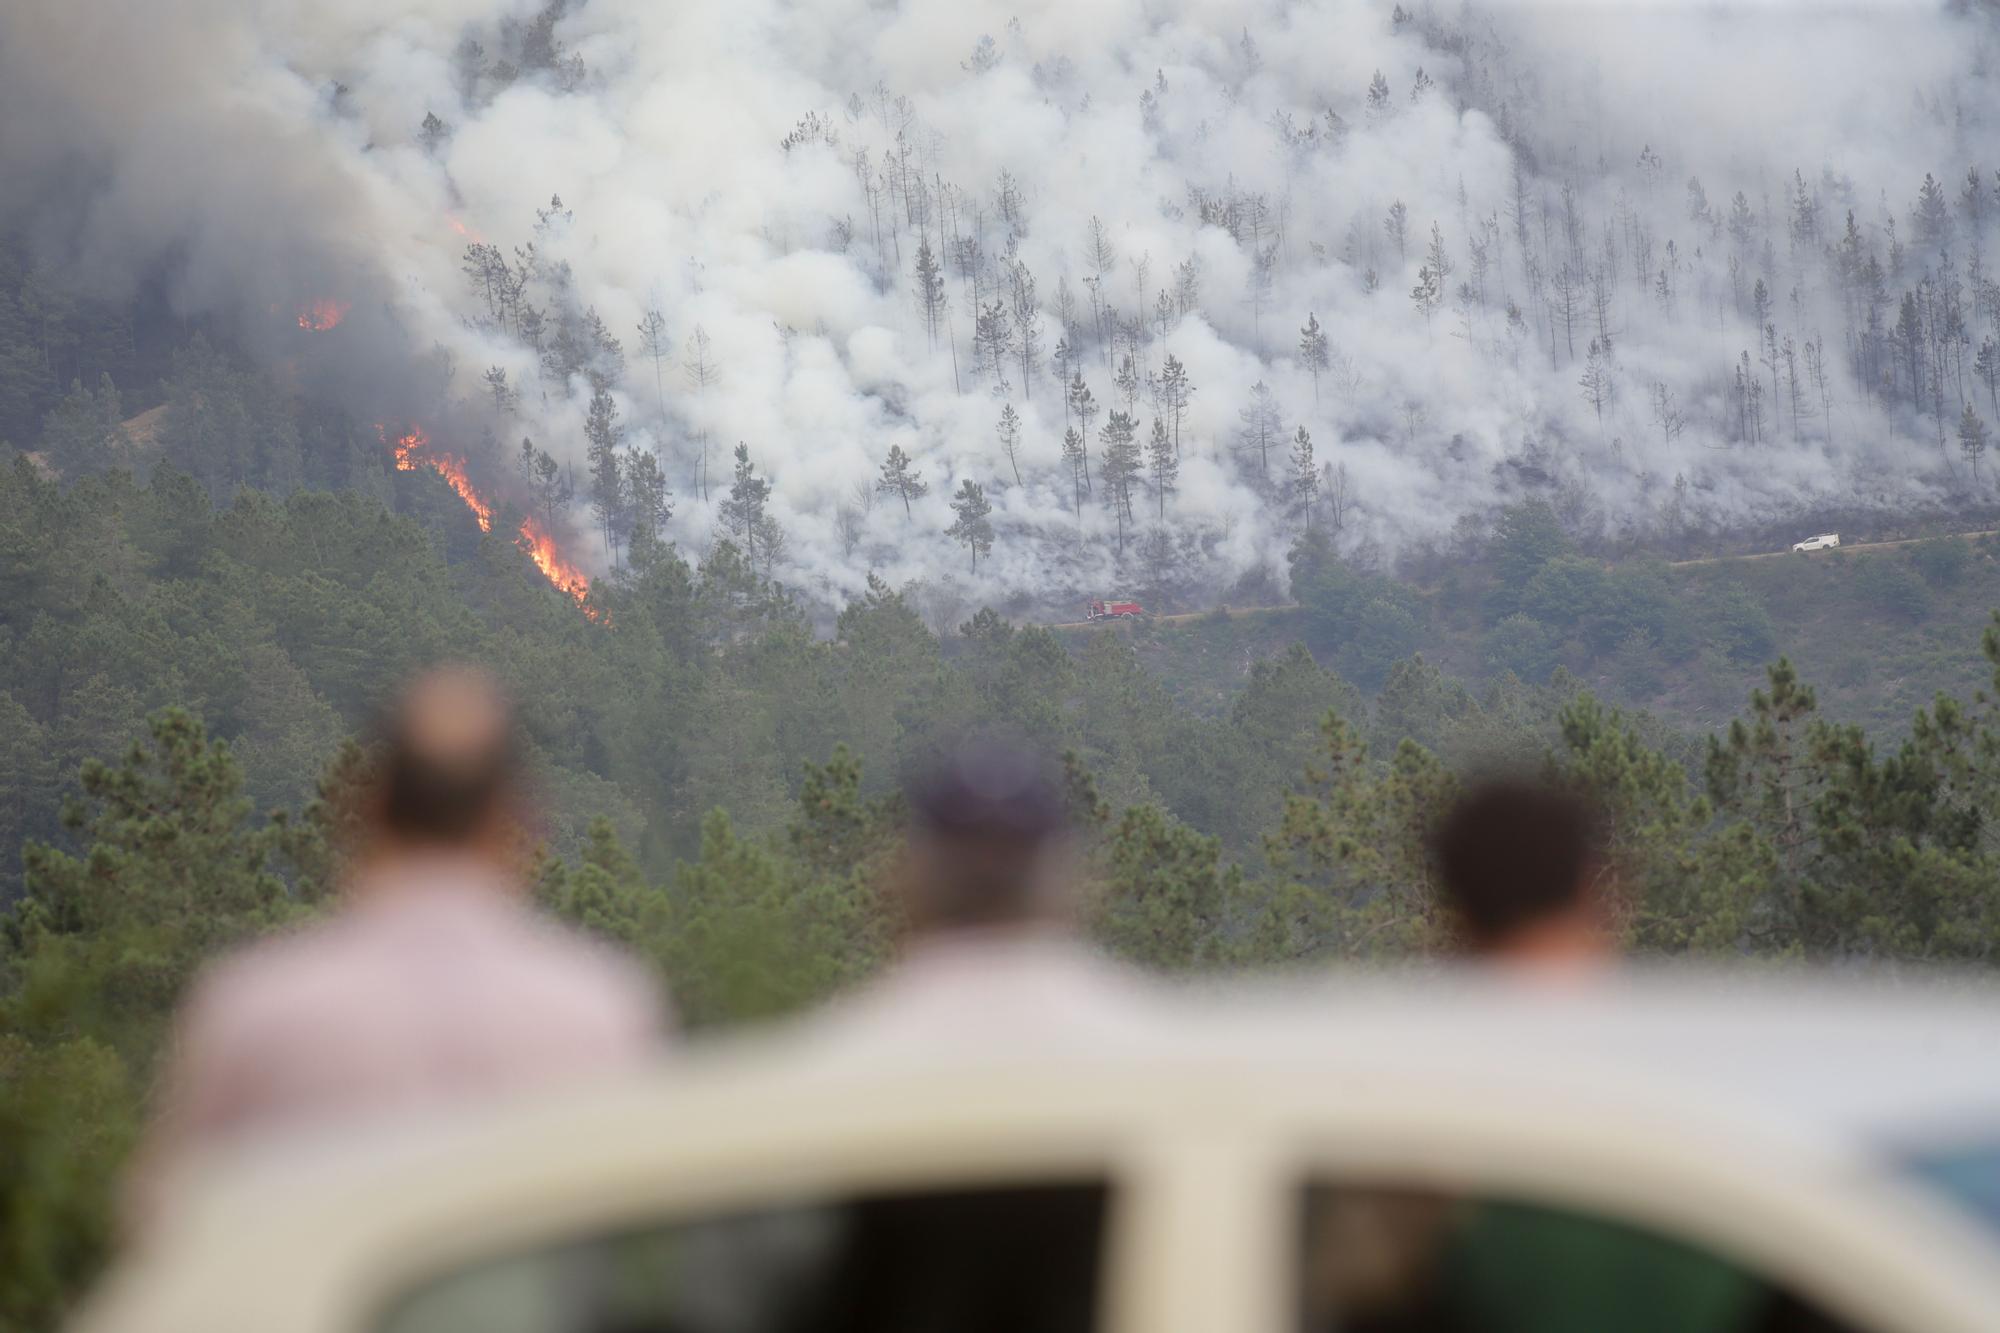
(1375,268)
(413,452)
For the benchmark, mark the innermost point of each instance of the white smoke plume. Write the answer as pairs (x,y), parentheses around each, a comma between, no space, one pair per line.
(272,151)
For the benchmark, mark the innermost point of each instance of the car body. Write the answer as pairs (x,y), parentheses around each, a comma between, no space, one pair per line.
(1795,1130)
(1826,541)
(1113,609)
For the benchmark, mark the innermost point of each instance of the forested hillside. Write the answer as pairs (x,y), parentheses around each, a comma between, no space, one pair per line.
(756,396)
(184,679)
(1879,630)
(1034,302)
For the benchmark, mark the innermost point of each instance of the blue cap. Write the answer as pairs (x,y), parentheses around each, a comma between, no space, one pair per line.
(992,788)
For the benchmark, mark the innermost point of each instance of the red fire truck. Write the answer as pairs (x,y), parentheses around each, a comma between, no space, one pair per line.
(1111,610)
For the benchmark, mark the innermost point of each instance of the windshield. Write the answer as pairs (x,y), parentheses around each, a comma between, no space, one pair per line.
(1968,1174)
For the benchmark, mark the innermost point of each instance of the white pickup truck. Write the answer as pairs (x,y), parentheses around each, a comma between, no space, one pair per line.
(1826,541)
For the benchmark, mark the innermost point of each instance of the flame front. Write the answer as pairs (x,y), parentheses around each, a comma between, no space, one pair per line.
(449,466)
(413,451)
(452,469)
(541,549)
(323,314)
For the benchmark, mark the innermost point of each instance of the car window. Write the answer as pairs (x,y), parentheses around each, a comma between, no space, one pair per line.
(1968,1174)
(1388,1261)
(1024,1259)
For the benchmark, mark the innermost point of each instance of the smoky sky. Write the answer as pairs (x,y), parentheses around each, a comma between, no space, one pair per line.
(272,151)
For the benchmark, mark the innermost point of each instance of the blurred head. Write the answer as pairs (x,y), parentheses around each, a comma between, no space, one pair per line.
(1517,859)
(988,841)
(450,767)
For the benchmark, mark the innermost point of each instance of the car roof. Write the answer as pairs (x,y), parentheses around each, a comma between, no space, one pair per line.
(1879,1062)
(1898,1062)
(1890,1059)
(1803,1078)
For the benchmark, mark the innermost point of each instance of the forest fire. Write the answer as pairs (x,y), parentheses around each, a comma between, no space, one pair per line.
(413,451)
(541,549)
(323,314)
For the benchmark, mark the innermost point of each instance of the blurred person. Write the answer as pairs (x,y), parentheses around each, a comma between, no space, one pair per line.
(1522,867)
(991,961)
(1521,864)
(987,892)
(434,983)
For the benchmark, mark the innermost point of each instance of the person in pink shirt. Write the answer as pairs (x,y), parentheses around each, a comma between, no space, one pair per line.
(435,983)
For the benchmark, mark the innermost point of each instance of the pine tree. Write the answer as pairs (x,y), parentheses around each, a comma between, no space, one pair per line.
(1162,461)
(1972,439)
(657,346)
(1176,390)
(1378,95)
(1009,432)
(647,493)
(972,525)
(433,132)
(744,512)
(702,371)
(548,486)
(1932,219)
(900,478)
(1428,294)
(1027,324)
(930,289)
(607,489)
(1436,258)
(1263,282)
(1305,478)
(1126,381)
(1082,406)
(1396,223)
(992,341)
(1079,466)
(1262,425)
(1313,350)
(506,398)
(1986,365)
(1596,381)
(1120,438)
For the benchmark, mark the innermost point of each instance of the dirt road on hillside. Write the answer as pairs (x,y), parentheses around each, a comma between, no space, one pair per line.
(1234,611)
(1178,617)
(1857,546)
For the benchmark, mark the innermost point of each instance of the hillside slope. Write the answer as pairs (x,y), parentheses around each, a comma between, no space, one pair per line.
(1878,631)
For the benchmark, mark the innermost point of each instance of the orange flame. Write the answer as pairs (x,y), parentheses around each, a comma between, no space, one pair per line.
(541,549)
(323,314)
(463,230)
(452,469)
(449,466)
(413,451)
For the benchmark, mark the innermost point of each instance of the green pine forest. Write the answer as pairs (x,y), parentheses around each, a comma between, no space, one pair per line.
(200,614)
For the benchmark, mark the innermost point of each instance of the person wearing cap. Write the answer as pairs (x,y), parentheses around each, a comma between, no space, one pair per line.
(434,983)
(987,892)
(990,965)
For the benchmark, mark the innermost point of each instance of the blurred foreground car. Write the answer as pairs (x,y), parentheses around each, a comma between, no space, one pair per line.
(1254,1164)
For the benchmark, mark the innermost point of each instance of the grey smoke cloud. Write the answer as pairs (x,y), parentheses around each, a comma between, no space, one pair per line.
(273,147)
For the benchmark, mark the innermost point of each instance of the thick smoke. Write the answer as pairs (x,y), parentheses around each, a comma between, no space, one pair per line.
(272,151)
